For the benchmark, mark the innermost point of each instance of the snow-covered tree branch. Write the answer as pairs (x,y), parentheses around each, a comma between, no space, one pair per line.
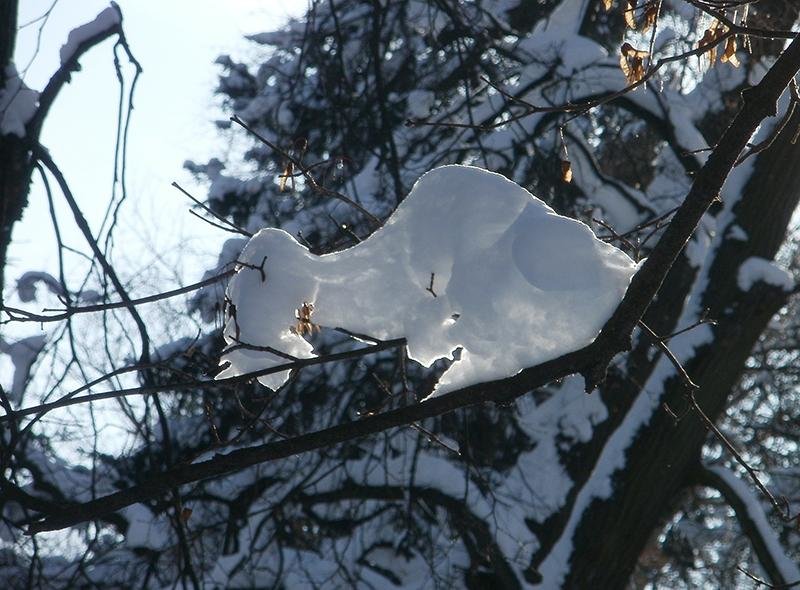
(541,398)
(781,569)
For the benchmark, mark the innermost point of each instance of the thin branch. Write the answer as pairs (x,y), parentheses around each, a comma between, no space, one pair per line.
(64,73)
(777,129)
(232,226)
(659,342)
(738,457)
(577,108)
(308,177)
(691,387)
(213,223)
(44,156)
(740,29)
(615,235)
(71,400)
(761,582)
(21,315)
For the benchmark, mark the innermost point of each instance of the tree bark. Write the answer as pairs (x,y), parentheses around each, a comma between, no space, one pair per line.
(15,161)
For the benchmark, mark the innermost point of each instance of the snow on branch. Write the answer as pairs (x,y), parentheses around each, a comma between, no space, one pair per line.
(23,353)
(108,19)
(469,260)
(17,103)
(79,41)
(759,270)
(779,567)
(27,283)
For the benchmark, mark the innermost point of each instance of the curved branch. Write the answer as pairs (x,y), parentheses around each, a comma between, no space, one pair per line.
(782,571)
(64,73)
(221,464)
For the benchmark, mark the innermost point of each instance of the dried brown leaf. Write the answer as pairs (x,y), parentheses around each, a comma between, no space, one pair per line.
(607,4)
(707,39)
(631,61)
(630,17)
(729,55)
(566,170)
(287,174)
(304,324)
(711,36)
(650,16)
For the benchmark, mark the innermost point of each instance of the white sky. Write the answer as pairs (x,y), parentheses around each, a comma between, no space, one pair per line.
(176,42)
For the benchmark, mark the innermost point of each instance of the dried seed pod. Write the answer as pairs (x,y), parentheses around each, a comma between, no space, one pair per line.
(631,61)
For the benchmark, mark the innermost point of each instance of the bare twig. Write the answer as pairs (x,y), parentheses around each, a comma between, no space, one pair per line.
(739,459)
(71,400)
(761,582)
(21,315)
(308,177)
(429,288)
(658,341)
(232,227)
(578,108)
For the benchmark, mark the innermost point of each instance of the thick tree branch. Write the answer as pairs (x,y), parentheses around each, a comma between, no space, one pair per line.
(8,32)
(760,102)
(221,464)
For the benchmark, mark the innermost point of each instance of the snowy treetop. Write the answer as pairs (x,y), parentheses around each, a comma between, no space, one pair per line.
(469,260)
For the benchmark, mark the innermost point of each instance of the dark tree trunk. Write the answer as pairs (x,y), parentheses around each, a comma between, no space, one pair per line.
(660,461)
(15,161)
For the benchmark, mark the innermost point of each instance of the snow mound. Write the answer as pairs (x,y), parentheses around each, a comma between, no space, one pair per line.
(468,260)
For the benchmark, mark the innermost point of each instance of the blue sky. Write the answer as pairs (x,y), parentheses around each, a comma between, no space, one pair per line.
(176,42)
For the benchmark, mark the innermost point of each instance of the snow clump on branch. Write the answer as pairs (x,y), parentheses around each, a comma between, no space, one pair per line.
(469,260)
(108,18)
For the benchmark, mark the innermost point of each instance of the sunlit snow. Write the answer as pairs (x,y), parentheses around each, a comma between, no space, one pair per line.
(469,260)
